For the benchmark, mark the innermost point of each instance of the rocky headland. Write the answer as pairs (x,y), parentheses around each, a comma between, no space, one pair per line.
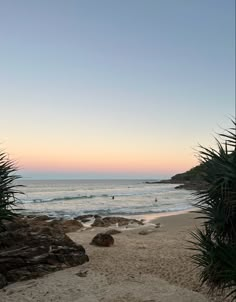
(192,179)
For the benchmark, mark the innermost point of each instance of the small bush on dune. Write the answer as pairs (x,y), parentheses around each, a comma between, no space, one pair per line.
(215,242)
(8,188)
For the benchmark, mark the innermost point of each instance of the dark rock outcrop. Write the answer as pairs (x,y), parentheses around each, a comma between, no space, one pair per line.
(84,218)
(31,250)
(103,239)
(70,225)
(111,220)
(66,226)
(3,281)
(195,185)
(87,217)
(193,179)
(190,185)
(98,222)
(112,232)
(121,221)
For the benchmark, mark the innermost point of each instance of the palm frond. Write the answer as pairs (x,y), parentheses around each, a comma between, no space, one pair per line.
(9,189)
(215,243)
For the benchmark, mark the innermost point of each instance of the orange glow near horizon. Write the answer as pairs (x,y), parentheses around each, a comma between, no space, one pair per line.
(103,158)
(112,164)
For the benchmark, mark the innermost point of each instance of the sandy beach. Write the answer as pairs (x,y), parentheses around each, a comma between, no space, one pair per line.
(154,267)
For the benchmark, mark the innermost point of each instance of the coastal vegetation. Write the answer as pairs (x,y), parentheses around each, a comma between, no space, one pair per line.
(193,179)
(8,188)
(215,242)
(194,174)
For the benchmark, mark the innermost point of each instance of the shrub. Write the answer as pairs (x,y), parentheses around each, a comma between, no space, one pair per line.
(215,242)
(8,188)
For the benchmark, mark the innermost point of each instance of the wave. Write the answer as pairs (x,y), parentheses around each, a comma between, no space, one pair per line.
(41,200)
(76,197)
(106,212)
(135,211)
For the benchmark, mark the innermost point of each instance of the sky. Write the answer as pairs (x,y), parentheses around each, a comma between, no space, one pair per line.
(114,89)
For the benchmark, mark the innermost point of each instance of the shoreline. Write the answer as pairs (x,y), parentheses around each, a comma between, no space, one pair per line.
(145,217)
(150,217)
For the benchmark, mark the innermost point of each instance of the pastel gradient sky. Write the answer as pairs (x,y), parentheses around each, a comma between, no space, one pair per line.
(100,89)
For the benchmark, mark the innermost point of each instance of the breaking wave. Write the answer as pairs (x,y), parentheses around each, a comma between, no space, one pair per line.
(40,200)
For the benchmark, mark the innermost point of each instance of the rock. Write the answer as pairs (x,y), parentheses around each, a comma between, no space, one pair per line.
(82,217)
(143,232)
(87,218)
(3,281)
(111,220)
(98,222)
(102,239)
(15,224)
(71,225)
(146,232)
(84,220)
(112,232)
(36,249)
(82,274)
(42,218)
(121,221)
(64,225)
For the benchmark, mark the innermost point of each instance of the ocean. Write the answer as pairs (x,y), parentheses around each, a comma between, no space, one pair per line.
(70,198)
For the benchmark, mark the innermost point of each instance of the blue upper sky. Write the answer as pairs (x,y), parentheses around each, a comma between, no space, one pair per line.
(112,85)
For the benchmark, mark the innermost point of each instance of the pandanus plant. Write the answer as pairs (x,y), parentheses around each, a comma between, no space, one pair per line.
(215,242)
(9,189)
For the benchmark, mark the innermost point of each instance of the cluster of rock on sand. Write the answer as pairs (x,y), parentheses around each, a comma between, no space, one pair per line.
(35,245)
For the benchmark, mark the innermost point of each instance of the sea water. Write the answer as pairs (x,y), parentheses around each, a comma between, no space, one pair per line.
(71,198)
